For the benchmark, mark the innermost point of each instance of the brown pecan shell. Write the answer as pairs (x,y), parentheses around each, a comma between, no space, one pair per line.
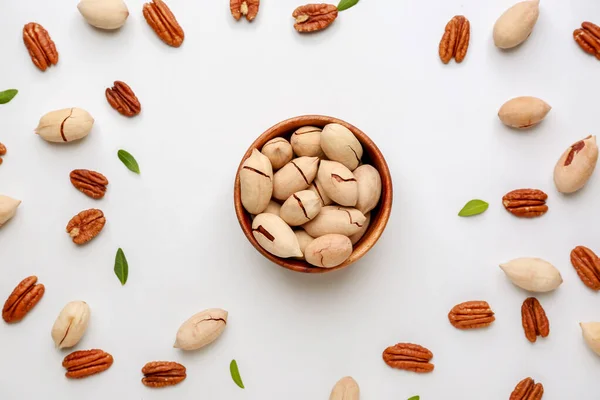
(83,363)
(588,38)
(86,225)
(409,356)
(40,46)
(90,183)
(123,99)
(471,315)
(526,203)
(527,389)
(587,265)
(455,41)
(314,17)
(247,8)
(163,373)
(163,22)
(22,299)
(534,319)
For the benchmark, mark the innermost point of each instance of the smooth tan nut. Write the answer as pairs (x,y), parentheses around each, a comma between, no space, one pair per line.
(335,219)
(295,176)
(71,324)
(358,235)
(339,144)
(201,329)
(104,14)
(278,151)
(523,112)
(316,187)
(338,182)
(300,208)
(369,187)
(256,182)
(65,125)
(328,251)
(273,208)
(306,141)
(532,274)
(303,240)
(515,25)
(345,389)
(8,208)
(576,165)
(591,335)
(275,236)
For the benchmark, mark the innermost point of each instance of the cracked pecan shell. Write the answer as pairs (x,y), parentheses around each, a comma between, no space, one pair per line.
(587,265)
(90,183)
(455,41)
(247,8)
(408,356)
(163,22)
(122,99)
(83,363)
(22,299)
(526,203)
(40,46)
(534,319)
(527,389)
(314,17)
(163,373)
(588,38)
(471,315)
(86,225)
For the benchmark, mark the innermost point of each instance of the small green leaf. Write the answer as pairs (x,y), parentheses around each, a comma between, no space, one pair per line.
(235,374)
(129,161)
(414,398)
(346,4)
(473,207)
(7,95)
(121,266)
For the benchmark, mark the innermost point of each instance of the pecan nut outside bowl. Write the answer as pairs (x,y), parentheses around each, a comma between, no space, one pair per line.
(371,155)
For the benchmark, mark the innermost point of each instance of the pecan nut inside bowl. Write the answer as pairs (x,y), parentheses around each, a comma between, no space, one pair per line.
(378,216)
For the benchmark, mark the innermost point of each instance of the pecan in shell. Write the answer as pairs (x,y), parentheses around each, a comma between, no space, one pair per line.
(83,363)
(163,22)
(247,8)
(471,315)
(122,99)
(86,225)
(163,373)
(314,17)
(527,389)
(587,265)
(588,38)
(455,41)
(22,299)
(534,319)
(90,183)
(526,203)
(408,356)
(42,49)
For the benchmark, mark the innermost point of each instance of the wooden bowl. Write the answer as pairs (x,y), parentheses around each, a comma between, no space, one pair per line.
(379,216)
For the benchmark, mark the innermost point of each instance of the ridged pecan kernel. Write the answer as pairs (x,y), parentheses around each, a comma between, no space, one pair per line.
(455,41)
(40,46)
(248,8)
(83,363)
(534,319)
(163,373)
(471,315)
(526,203)
(314,17)
(90,183)
(588,38)
(527,389)
(22,299)
(163,22)
(86,225)
(587,265)
(123,99)
(408,356)
(2,151)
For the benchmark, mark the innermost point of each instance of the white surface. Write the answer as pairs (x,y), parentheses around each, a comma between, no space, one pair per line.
(295,335)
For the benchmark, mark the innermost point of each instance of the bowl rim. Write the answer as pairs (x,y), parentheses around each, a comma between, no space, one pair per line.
(376,226)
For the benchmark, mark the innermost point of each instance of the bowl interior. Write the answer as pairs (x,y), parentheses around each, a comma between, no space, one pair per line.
(372,155)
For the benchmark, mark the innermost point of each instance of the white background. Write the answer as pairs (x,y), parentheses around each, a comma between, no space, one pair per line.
(295,335)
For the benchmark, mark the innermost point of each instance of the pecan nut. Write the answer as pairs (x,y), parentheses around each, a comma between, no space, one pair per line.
(314,17)
(471,315)
(86,225)
(163,373)
(534,319)
(122,99)
(526,203)
(2,151)
(408,356)
(527,389)
(455,41)
(90,183)
(22,299)
(247,8)
(588,38)
(587,265)
(163,22)
(83,363)
(42,49)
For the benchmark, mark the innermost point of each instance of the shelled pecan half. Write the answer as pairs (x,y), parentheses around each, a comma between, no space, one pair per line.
(527,389)
(163,373)
(587,265)
(90,183)
(2,151)
(588,38)
(163,22)
(22,299)
(122,99)
(42,49)
(471,315)
(408,356)
(314,17)
(83,363)
(534,319)
(86,225)
(247,8)
(526,203)
(455,41)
